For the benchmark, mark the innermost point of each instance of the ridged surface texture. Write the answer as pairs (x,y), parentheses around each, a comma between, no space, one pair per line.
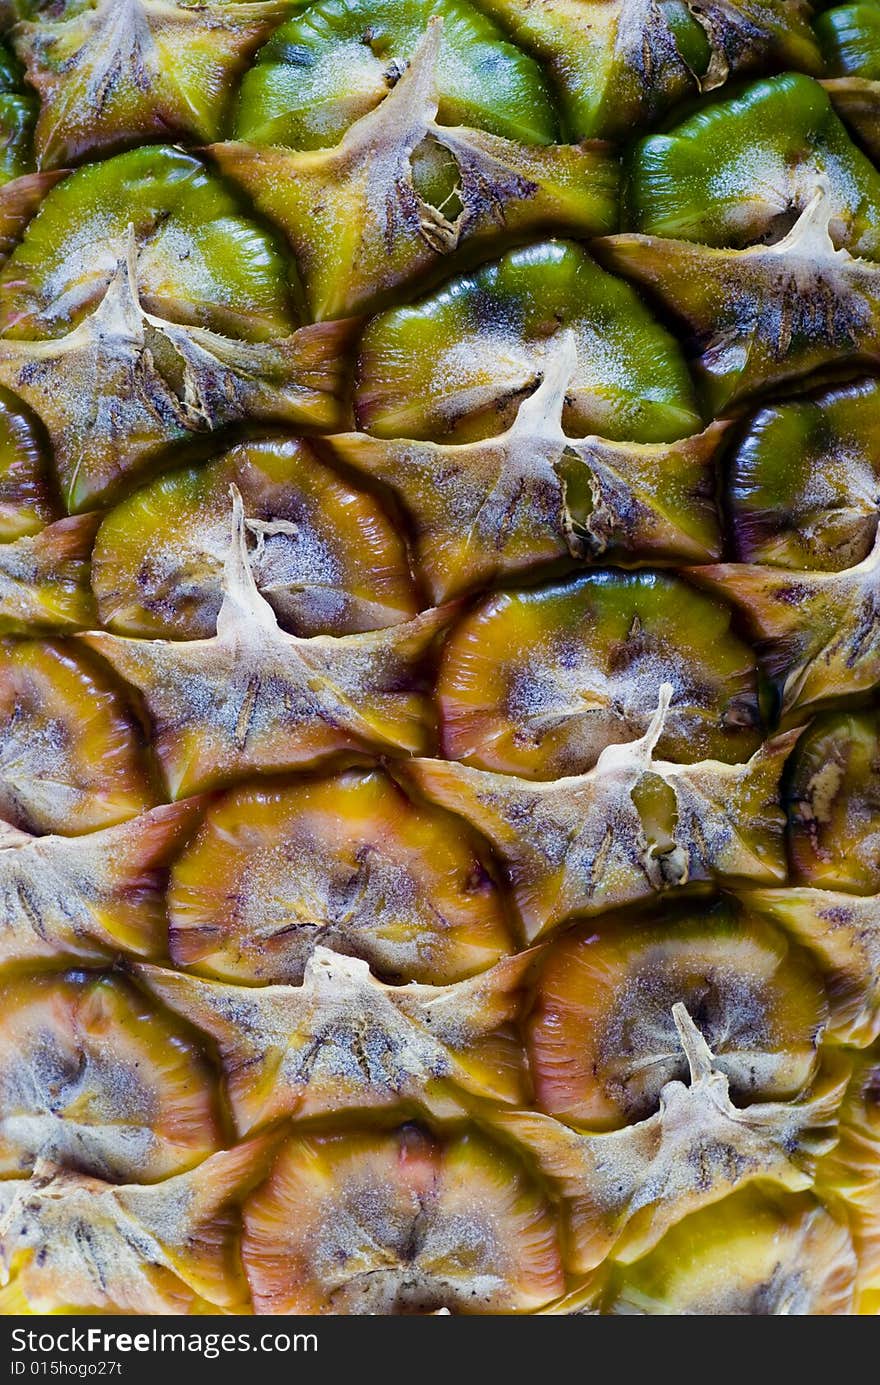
(439,653)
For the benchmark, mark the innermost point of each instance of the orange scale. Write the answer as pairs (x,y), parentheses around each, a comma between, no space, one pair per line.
(97,1078)
(70,750)
(399,1222)
(601,1038)
(348,862)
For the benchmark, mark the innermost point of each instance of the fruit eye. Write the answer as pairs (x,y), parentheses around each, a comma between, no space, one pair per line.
(70,756)
(602,1039)
(614,76)
(794,1258)
(346,862)
(833,792)
(439,658)
(69,63)
(457,363)
(850,39)
(95,1078)
(538,682)
(26,502)
(399,1223)
(330,64)
(60,270)
(707,180)
(817,509)
(375,211)
(325,555)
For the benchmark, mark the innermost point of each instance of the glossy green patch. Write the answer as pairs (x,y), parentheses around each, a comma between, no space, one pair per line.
(10,73)
(16,126)
(26,500)
(17,111)
(457,362)
(805,481)
(200,259)
(337,59)
(850,39)
(739,171)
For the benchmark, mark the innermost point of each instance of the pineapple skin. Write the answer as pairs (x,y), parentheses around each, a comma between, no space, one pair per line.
(439,652)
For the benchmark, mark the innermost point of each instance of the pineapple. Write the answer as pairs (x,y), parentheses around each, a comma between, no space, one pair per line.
(439,652)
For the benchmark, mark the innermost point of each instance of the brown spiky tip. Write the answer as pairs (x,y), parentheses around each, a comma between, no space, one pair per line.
(93,896)
(531,495)
(165,1248)
(161,383)
(765,316)
(399,1223)
(818,632)
(624,1189)
(254,698)
(620,68)
(631,827)
(344,1041)
(401,192)
(123,72)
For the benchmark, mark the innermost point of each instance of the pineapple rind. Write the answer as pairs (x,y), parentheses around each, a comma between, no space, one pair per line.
(439,657)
